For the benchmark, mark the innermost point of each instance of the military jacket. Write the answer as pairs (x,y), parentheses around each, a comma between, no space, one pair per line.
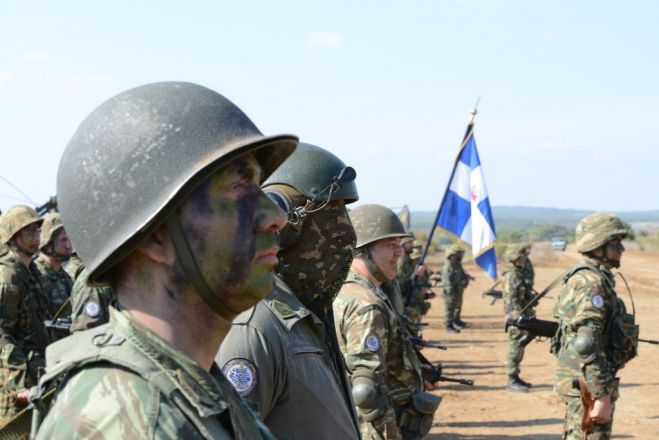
(72,267)
(56,285)
(277,356)
(23,338)
(405,272)
(371,336)
(528,272)
(587,299)
(90,306)
(122,381)
(454,278)
(517,292)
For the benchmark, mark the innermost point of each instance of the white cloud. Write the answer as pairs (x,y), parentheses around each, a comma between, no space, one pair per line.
(328,39)
(30,59)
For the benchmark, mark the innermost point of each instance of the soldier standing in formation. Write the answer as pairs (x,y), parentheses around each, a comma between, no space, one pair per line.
(55,250)
(188,242)
(454,281)
(23,337)
(282,354)
(387,384)
(517,293)
(596,336)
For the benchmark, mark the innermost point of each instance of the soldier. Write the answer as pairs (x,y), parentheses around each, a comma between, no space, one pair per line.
(528,270)
(596,336)
(282,354)
(517,293)
(454,281)
(55,249)
(388,387)
(159,189)
(23,338)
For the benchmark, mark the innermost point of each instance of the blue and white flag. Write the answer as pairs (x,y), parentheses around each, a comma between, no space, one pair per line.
(465,210)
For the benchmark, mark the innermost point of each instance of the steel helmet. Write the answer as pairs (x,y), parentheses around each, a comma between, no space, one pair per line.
(52,223)
(310,170)
(375,222)
(16,218)
(595,230)
(137,156)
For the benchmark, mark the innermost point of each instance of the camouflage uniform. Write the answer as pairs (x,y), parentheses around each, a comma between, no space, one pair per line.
(277,356)
(516,295)
(57,286)
(454,281)
(72,267)
(371,337)
(587,344)
(23,338)
(132,384)
(90,306)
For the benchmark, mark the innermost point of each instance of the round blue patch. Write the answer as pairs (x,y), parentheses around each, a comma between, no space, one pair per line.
(372,343)
(92,309)
(242,375)
(598,301)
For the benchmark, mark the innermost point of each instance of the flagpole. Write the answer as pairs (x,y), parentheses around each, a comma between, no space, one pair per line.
(470,127)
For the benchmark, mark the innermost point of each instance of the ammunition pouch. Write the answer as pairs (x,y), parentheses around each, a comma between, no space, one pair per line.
(370,394)
(623,336)
(415,419)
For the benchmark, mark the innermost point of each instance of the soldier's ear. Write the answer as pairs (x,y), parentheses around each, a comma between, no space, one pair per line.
(158,246)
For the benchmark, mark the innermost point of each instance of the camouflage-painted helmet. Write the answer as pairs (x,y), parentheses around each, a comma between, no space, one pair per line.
(375,222)
(137,156)
(310,170)
(597,229)
(454,250)
(51,224)
(16,218)
(514,251)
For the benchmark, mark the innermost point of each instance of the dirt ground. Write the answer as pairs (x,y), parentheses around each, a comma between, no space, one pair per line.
(487,410)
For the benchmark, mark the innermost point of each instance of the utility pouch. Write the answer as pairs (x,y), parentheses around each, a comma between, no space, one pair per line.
(416,418)
(623,336)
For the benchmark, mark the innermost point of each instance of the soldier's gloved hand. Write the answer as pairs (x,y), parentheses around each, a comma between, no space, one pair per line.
(601,412)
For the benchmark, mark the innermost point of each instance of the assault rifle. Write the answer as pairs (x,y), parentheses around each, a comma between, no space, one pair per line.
(50,205)
(495,294)
(648,341)
(420,342)
(534,326)
(433,372)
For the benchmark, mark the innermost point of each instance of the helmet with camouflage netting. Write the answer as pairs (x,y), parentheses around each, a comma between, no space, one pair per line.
(515,251)
(455,249)
(597,229)
(52,223)
(137,156)
(375,222)
(16,218)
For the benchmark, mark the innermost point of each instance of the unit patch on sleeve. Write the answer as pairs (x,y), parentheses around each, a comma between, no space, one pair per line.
(372,343)
(598,301)
(242,375)
(92,309)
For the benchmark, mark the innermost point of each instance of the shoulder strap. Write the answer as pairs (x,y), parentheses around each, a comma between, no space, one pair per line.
(540,295)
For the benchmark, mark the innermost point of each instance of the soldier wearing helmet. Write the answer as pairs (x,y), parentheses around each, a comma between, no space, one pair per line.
(387,383)
(159,191)
(517,293)
(596,336)
(55,248)
(282,354)
(23,338)
(414,282)
(454,281)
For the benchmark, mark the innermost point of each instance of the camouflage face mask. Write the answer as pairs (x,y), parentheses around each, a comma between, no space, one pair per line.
(317,263)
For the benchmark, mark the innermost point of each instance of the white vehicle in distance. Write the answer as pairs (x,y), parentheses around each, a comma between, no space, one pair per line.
(558,243)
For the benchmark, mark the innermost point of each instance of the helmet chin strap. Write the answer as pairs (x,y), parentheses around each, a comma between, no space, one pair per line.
(19,249)
(604,258)
(191,269)
(367,258)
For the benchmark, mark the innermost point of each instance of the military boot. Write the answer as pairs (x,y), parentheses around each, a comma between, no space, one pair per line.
(451,329)
(459,323)
(515,384)
(523,382)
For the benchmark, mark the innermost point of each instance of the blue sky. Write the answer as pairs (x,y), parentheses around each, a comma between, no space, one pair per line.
(569,114)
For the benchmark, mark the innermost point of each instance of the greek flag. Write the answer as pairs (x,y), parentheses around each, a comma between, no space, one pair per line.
(465,211)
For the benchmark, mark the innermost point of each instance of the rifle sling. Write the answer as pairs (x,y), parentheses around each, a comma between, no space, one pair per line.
(539,296)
